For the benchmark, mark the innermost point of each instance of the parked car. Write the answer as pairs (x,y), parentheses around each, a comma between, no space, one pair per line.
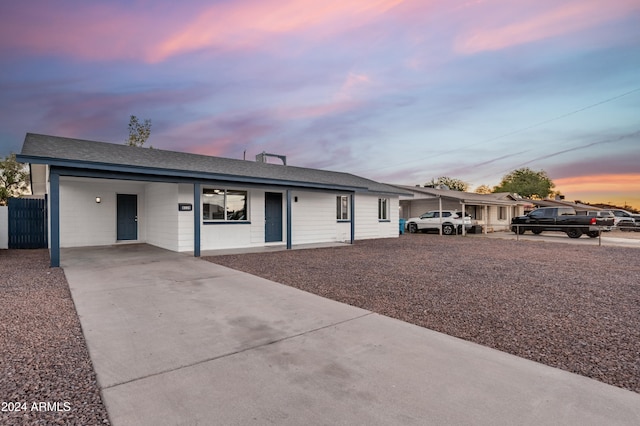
(451,222)
(625,216)
(606,214)
(629,225)
(562,219)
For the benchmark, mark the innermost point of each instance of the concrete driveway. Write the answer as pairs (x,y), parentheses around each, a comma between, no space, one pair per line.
(180,341)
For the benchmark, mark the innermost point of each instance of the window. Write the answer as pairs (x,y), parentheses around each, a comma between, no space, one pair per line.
(342,207)
(383,209)
(224,205)
(502,213)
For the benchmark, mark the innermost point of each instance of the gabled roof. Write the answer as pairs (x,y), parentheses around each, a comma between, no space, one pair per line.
(466,197)
(77,153)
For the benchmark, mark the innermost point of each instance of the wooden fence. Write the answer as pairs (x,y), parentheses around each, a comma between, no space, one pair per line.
(27,223)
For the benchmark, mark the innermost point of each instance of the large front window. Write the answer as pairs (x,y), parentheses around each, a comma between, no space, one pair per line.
(224,205)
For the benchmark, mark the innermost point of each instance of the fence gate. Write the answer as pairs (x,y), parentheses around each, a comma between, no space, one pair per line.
(27,223)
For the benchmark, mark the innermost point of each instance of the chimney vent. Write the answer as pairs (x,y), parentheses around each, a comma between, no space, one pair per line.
(262,158)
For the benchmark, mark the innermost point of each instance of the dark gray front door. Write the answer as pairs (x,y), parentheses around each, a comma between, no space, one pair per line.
(273,217)
(127,217)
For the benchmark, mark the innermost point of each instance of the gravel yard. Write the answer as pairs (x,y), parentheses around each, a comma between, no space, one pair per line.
(572,307)
(43,354)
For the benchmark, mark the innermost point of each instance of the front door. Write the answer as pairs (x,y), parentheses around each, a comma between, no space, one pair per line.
(127,206)
(272,217)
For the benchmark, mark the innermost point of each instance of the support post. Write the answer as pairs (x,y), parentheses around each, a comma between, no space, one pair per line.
(486,220)
(464,228)
(54,211)
(440,214)
(196,219)
(289,227)
(353,218)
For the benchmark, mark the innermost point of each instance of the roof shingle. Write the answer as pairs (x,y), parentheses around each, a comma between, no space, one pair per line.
(45,149)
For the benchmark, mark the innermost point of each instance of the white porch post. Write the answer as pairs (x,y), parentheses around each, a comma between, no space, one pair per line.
(486,219)
(464,228)
(440,214)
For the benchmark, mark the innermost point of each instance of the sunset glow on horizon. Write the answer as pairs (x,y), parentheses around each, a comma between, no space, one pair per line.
(399,91)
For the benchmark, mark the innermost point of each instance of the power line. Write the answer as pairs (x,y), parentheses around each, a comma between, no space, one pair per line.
(564,151)
(524,129)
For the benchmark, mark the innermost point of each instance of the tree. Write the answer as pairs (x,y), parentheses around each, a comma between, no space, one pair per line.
(138,132)
(451,183)
(14,179)
(483,189)
(527,183)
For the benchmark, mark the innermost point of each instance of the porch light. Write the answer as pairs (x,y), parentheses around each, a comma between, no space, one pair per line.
(98,200)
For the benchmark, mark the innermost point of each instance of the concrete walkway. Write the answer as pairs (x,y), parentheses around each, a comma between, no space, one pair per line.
(180,341)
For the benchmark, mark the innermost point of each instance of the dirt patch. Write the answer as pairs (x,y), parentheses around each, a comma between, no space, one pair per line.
(572,307)
(46,375)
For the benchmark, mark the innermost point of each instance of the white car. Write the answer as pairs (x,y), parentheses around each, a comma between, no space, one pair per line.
(625,216)
(451,222)
(607,214)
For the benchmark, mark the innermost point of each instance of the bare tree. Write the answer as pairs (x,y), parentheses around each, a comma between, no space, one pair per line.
(138,132)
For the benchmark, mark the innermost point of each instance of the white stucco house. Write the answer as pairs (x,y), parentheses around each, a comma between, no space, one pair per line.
(103,194)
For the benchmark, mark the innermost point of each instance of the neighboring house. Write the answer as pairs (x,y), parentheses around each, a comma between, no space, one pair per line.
(103,194)
(492,212)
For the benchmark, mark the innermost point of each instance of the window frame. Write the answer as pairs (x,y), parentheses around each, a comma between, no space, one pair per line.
(502,212)
(343,206)
(225,192)
(384,210)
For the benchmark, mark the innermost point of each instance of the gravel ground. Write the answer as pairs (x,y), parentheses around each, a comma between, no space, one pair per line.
(43,354)
(572,307)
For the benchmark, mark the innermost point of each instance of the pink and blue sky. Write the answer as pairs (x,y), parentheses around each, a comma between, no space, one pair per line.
(397,91)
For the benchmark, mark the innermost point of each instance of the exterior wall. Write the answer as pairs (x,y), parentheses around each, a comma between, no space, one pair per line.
(185,219)
(313,219)
(4,227)
(367,223)
(417,207)
(162,215)
(219,235)
(83,222)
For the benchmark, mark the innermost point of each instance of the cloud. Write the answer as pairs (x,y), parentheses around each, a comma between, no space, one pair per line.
(616,188)
(558,18)
(315,111)
(243,25)
(61,107)
(85,30)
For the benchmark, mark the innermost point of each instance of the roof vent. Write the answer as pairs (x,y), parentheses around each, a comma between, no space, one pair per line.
(262,158)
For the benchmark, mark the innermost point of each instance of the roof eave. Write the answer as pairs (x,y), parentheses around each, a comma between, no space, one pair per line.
(183,173)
